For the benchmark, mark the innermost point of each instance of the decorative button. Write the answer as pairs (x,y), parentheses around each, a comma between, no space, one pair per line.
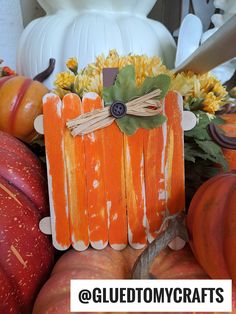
(118,109)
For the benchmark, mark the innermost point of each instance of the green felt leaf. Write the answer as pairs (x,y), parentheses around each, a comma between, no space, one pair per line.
(130,124)
(161,82)
(125,89)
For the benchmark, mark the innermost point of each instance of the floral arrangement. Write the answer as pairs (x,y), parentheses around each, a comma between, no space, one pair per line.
(206,88)
(5,70)
(202,94)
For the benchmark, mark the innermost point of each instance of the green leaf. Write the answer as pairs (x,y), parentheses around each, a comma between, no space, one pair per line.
(192,152)
(125,89)
(130,124)
(214,152)
(200,131)
(196,174)
(161,82)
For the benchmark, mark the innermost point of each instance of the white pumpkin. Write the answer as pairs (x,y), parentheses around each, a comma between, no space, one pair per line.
(87,28)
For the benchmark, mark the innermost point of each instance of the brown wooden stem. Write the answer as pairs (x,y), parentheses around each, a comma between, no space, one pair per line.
(46,73)
(221,139)
(175,229)
(227,109)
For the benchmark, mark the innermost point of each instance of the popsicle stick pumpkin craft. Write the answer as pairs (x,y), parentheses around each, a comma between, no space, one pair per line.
(115,164)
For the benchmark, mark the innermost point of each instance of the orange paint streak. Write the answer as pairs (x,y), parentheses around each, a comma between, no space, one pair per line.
(18,256)
(76,178)
(95,165)
(10,194)
(174,155)
(115,185)
(53,132)
(134,176)
(154,179)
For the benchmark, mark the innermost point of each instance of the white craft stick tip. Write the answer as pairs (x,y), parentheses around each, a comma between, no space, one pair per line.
(38,124)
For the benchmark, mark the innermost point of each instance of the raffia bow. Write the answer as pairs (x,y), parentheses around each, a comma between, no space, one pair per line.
(101,118)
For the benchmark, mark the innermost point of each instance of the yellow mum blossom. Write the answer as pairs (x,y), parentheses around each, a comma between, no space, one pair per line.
(188,84)
(60,92)
(204,86)
(211,104)
(90,78)
(72,64)
(64,80)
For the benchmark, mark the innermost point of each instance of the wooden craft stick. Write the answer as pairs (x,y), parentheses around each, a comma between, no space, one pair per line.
(114,177)
(94,160)
(154,152)
(53,131)
(135,189)
(76,177)
(174,163)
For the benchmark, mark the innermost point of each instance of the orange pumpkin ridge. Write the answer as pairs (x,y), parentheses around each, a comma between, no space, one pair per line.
(114,177)
(95,165)
(3,80)
(175,184)
(54,141)
(75,167)
(17,102)
(154,179)
(212,226)
(135,189)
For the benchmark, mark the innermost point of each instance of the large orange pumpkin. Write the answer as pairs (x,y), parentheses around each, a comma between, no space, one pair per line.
(109,264)
(211,223)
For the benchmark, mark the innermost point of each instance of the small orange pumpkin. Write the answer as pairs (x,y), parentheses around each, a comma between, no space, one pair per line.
(21,103)
(230,130)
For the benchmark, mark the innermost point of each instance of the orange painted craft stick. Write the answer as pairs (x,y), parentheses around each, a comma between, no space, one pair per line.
(76,177)
(94,160)
(53,132)
(154,152)
(174,164)
(114,177)
(135,189)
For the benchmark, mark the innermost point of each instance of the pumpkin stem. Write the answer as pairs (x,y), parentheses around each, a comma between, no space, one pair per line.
(221,139)
(46,73)
(226,109)
(175,229)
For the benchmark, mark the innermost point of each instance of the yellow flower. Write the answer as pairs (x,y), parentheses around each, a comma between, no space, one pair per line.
(72,64)
(211,103)
(64,80)
(60,92)
(90,78)
(219,90)
(188,84)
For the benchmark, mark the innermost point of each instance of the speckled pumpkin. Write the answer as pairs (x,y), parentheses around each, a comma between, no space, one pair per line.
(26,256)
(20,104)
